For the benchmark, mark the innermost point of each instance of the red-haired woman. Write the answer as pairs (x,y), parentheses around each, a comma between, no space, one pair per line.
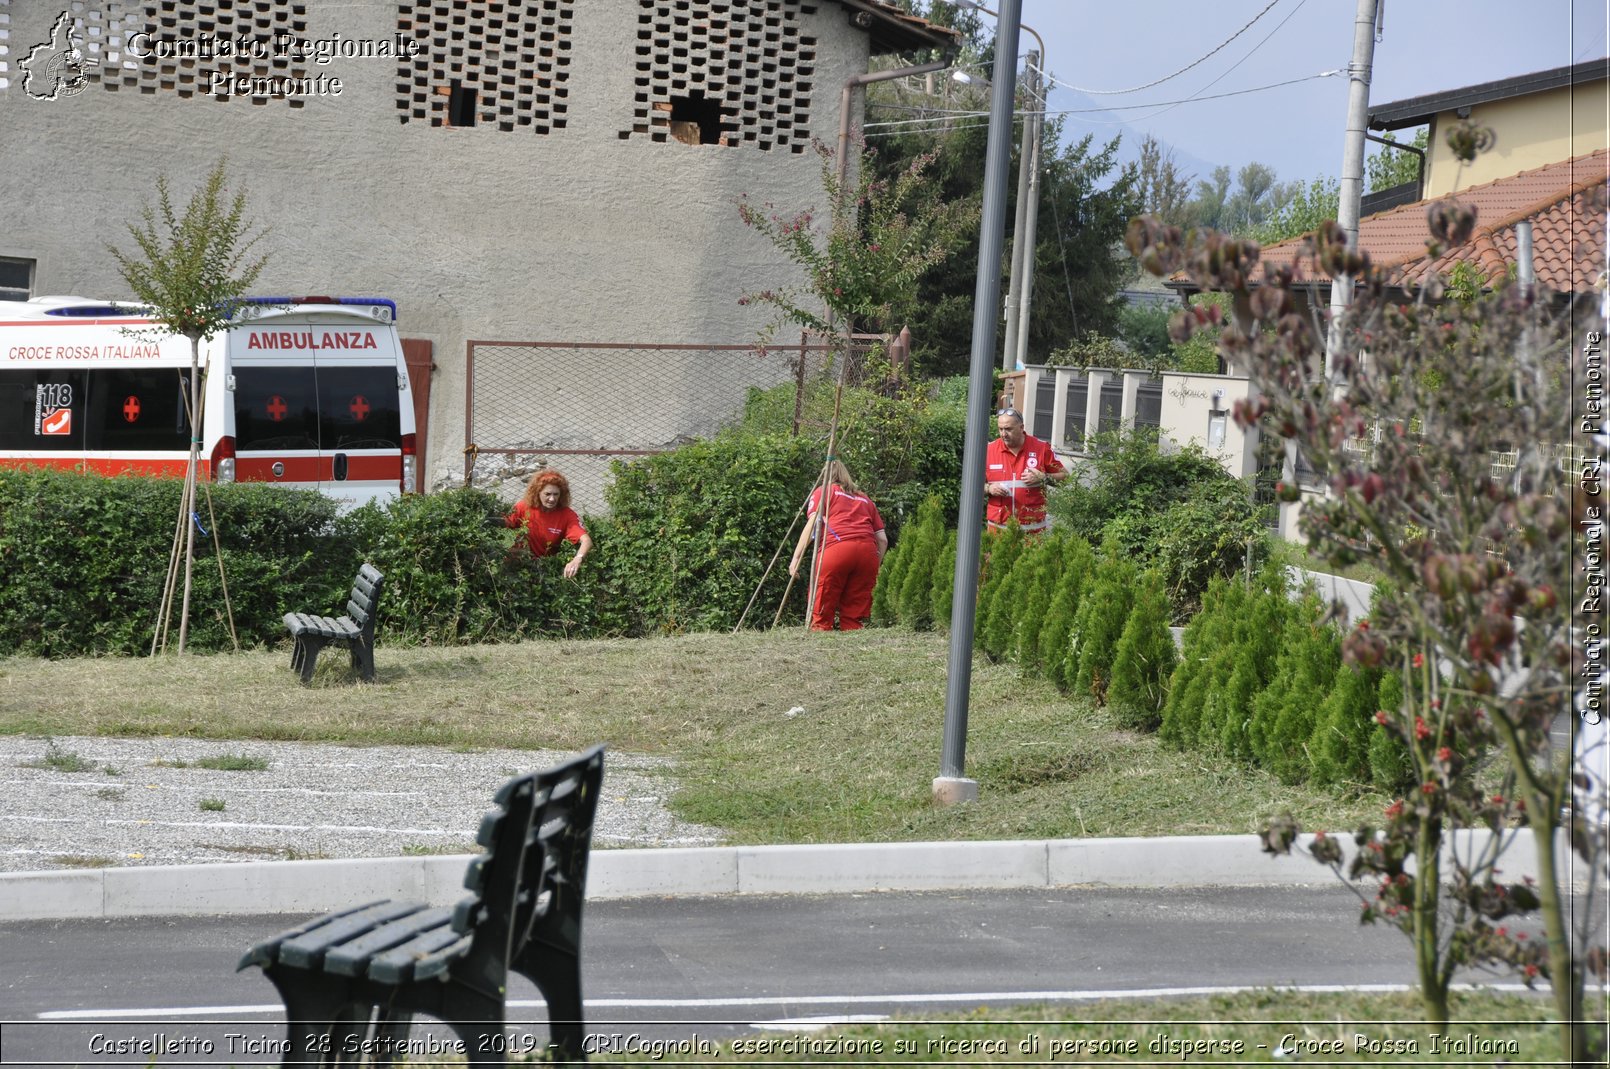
(852,550)
(545,513)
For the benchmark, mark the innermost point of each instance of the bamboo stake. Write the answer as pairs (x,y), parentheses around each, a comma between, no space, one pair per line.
(767,575)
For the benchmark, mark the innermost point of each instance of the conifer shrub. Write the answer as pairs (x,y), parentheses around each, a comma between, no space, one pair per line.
(944,583)
(1284,715)
(1050,557)
(1079,561)
(1391,768)
(1144,659)
(1207,637)
(1006,603)
(1255,641)
(1103,611)
(886,592)
(1341,742)
(997,557)
(916,586)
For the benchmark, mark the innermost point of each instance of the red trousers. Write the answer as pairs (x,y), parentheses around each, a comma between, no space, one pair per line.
(847,573)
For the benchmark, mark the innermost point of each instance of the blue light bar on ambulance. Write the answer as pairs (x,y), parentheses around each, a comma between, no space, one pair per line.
(385,302)
(96,311)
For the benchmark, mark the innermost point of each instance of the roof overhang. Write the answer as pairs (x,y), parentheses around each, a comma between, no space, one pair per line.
(1417,111)
(895,31)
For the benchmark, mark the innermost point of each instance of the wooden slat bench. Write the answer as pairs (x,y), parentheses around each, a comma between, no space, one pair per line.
(351,981)
(355,630)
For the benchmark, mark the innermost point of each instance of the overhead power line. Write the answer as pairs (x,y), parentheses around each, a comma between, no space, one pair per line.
(938,118)
(1168,77)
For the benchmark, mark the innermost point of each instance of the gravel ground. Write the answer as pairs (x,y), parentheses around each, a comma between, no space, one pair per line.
(93,802)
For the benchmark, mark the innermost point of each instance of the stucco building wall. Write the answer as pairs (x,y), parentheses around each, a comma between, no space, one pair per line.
(578,234)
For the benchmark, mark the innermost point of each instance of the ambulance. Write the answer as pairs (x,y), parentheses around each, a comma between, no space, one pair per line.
(306,392)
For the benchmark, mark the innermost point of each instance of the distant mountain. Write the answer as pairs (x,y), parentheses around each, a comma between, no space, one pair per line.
(1105,125)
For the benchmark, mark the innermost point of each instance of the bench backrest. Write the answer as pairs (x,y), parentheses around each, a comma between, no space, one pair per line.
(364,600)
(530,883)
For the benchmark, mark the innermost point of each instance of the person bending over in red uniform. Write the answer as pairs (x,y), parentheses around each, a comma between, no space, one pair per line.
(853,548)
(1017,469)
(545,513)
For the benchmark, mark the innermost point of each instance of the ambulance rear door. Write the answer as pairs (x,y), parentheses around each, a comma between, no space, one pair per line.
(315,401)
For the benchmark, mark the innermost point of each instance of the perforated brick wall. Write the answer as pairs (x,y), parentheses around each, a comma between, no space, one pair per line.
(184,52)
(503,64)
(724,72)
(5,44)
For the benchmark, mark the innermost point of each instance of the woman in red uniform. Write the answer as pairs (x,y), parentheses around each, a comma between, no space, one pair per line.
(853,544)
(545,513)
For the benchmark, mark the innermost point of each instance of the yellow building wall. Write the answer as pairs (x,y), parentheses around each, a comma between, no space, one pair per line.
(1528,132)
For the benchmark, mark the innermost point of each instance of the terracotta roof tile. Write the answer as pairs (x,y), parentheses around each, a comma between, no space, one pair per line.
(1565,202)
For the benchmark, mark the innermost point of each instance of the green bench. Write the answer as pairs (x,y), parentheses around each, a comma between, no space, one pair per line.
(351,981)
(355,630)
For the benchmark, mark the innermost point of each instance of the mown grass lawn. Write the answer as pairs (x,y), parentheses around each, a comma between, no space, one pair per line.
(784,736)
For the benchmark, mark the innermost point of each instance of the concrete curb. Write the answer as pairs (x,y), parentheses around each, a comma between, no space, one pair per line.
(317,886)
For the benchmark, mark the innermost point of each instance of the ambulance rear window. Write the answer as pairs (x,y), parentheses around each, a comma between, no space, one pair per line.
(275,409)
(358,408)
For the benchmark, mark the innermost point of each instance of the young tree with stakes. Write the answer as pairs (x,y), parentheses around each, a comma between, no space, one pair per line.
(191,272)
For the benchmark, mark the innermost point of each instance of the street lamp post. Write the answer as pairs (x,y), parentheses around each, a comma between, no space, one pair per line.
(950,785)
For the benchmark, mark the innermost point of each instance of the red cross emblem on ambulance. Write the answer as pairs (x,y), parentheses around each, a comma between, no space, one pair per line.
(276,408)
(131,409)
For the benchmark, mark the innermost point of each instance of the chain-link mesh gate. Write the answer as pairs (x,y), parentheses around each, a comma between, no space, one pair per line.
(577,406)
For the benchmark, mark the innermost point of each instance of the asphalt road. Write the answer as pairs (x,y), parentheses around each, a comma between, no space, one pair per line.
(719,967)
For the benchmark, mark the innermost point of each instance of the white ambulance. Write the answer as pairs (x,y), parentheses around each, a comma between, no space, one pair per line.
(308,392)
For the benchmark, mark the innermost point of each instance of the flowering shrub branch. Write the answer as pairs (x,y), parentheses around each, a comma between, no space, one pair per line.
(1403,428)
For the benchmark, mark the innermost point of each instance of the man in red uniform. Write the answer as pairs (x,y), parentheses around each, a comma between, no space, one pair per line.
(1017,469)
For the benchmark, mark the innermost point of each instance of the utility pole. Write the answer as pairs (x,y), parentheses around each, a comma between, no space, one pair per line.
(950,786)
(1022,250)
(1352,183)
(1036,118)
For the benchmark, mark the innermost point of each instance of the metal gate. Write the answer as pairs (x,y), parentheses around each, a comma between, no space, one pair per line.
(579,406)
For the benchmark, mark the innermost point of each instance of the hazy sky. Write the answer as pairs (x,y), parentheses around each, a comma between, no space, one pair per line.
(1425,46)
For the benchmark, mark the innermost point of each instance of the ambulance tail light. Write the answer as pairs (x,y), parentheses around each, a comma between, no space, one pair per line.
(410,464)
(223,460)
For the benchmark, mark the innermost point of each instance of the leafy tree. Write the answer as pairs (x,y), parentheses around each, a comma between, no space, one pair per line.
(1196,351)
(1311,204)
(863,261)
(1480,570)
(191,271)
(1390,167)
(1086,200)
(1144,328)
(1164,192)
(1254,198)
